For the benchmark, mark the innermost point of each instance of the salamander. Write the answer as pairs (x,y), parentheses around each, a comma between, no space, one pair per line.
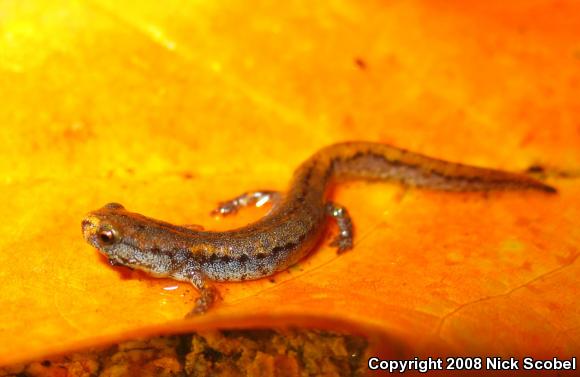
(290,230)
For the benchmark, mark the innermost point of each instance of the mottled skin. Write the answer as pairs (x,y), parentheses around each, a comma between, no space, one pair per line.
(291,229)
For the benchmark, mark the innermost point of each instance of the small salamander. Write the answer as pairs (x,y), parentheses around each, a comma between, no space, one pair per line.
(291,229)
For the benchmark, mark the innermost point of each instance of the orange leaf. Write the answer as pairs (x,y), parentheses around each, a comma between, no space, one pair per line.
(171,108)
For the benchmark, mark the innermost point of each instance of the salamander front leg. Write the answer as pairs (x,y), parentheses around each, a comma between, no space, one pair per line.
(343,241)
(257,198)
(208,295)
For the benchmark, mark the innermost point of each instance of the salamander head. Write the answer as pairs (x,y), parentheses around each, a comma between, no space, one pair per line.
(100,228)
(126,238)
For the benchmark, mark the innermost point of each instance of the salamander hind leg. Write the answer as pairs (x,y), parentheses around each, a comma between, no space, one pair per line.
(257,198)
(343,241)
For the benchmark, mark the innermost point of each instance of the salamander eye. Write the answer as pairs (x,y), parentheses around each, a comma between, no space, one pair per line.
(114,206)
(107,236)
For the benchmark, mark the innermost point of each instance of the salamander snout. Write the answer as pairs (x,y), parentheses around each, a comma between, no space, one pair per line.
(99,233)
(89,226)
